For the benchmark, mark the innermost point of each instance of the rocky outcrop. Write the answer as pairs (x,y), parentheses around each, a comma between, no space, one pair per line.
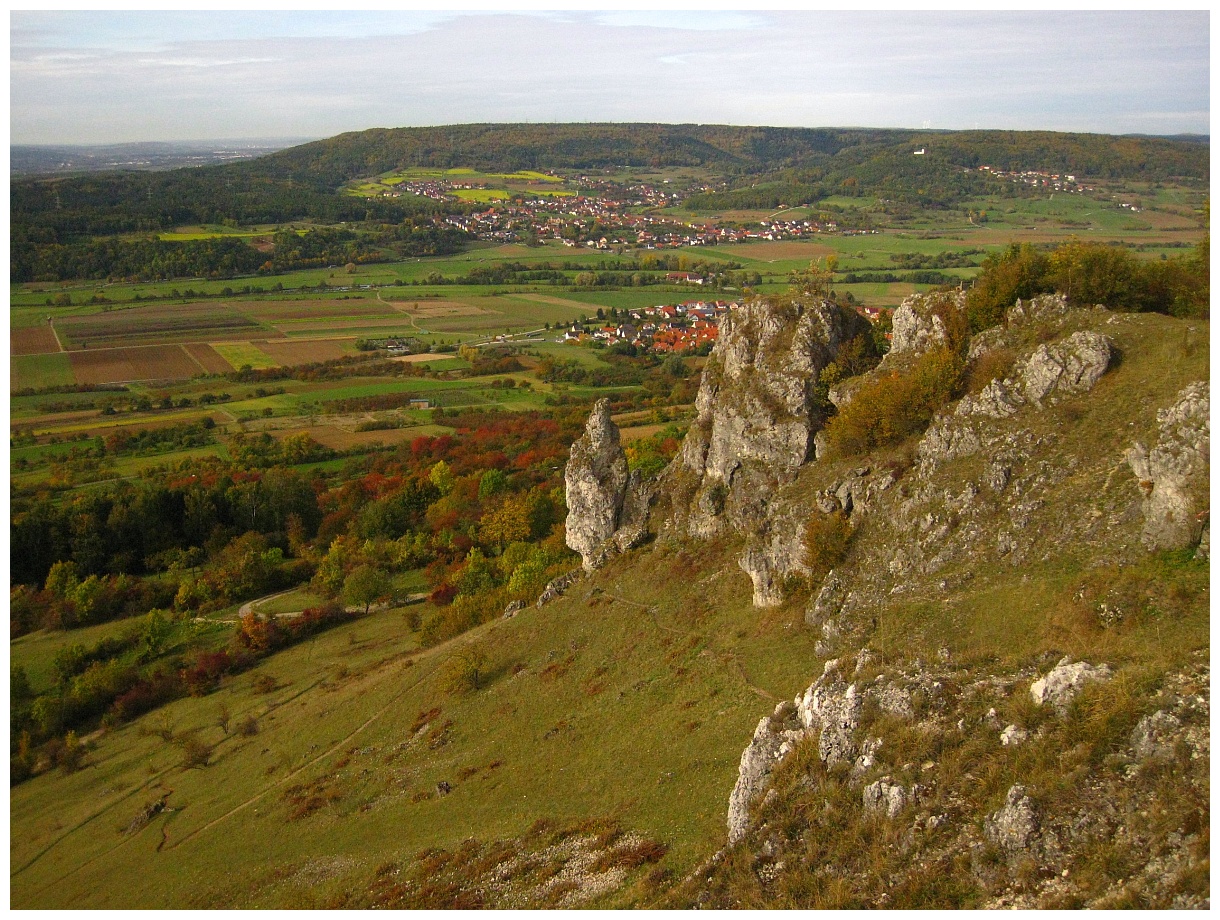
(596,482)
(1040,309)
(1073,365)
(919,322)
(937,808)
(1174,475)
(608,507)
(830,711)
(1013,735)
(1013,826)
(828,714)
(1068,367)
(757,416)
(773,739)
(1060,685)
(558,586)
(886,796)
(775,550)
(1040,495)
(757,411)
(1155,735)
(828,601)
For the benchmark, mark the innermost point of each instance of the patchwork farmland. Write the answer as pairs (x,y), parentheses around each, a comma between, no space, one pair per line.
(207,358)
(167,323)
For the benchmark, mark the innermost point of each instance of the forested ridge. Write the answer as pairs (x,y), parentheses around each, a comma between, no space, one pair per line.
(745,149)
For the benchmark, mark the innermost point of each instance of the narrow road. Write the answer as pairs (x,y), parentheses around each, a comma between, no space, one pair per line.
(252,606)
(51,323)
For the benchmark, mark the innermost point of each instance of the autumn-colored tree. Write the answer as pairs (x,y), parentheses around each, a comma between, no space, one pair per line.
(508,523)
(441,476)
(492,482)
(1018,272)
(826,540)
(890,409)
(63,579)
(256,633)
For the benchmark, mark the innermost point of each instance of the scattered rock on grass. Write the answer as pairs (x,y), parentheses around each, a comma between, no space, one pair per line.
(1014,825)
(1060,686)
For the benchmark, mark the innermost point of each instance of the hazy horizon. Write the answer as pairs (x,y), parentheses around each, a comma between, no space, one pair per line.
(102,78)
(297,141)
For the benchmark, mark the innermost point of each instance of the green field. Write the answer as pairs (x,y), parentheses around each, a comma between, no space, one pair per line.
(39,371)
(481,194)
(210,233)
(525,182)
(240,355)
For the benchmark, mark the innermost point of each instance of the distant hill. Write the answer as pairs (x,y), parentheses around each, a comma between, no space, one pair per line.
(39,159)
(735,149)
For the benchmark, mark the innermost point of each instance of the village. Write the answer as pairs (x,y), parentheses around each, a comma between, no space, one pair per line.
(684,328)
(1055,181)
(598,223)
(605,215)
(667,329)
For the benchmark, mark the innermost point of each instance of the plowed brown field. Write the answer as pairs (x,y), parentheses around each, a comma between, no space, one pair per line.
(430,308)
(209,359)
(33,340)
(117,365)
(289,353)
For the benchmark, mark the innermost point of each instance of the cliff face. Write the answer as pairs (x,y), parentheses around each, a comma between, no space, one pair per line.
(1014,671)
(758,416)
(756,402)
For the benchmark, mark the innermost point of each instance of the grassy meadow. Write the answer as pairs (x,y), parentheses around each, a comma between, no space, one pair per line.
(631,704)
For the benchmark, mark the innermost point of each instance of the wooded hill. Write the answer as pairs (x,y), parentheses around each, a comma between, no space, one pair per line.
(733,149)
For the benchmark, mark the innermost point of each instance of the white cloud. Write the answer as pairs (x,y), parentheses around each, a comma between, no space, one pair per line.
(142,77)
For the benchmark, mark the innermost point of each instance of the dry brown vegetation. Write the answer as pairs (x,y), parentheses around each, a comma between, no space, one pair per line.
(550,866)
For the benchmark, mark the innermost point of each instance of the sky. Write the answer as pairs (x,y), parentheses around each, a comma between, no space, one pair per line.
(91,77)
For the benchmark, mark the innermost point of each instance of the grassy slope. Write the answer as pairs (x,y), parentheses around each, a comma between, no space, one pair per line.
(641,716)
